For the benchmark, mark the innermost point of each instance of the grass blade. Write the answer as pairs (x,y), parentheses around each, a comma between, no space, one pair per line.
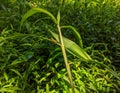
(108,68)
(15,71)
(58,17)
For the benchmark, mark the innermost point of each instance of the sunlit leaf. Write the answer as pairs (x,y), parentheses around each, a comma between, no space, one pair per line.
(47,88)
(58,17)
(73,48)
(5,76)
(16,62)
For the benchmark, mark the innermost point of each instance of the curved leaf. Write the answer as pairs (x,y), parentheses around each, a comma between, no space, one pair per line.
(77,35)
(36,10)
(17,72)
(73,48)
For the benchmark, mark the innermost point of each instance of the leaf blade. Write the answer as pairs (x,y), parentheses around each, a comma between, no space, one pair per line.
(77,35)
(36,10)
(73,48)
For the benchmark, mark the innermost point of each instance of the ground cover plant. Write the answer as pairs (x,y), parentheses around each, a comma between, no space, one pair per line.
(38,36)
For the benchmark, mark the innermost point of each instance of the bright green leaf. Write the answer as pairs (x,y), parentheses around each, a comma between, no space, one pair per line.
(58,17)
(73,48)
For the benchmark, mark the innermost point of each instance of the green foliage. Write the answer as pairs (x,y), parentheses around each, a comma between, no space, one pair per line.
(73,48)
(77,35)
(36,10)
(31,60)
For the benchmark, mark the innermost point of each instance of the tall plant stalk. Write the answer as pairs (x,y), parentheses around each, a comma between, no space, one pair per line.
(64,53)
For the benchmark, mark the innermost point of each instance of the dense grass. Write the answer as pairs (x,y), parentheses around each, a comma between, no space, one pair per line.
(31,60)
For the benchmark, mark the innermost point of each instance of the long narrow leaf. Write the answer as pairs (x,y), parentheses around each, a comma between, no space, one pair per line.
(108,68)
(17,72)
(58,17)
(77,35)
(36,10)
(73,48)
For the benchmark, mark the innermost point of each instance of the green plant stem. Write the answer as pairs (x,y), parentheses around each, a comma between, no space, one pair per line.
(65,59)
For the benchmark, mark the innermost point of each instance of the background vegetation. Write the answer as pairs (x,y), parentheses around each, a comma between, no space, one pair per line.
(31,63)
